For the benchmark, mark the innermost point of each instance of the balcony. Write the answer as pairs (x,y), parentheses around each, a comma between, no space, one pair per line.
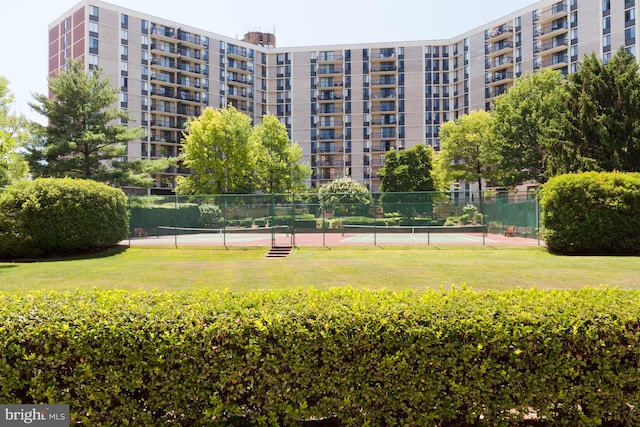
(554,63)
(329,111)
(164,63)
(189,68)
(328,83)
(499,33)
(553,30)
(382,54)
(556,11)
(500,78)
(330,137)
(552,47)
(384,68)
(329,57)
(330,124)
(165,49)
(499,62)
(169,109)
(384,82)
(327,96)
(330,70)
(499,48)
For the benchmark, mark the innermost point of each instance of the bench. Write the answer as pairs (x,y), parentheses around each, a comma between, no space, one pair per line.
(510,231)
(139,232)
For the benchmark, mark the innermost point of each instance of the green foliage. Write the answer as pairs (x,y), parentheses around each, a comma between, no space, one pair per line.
(60,216)
(222,152)
(279,161)
(167,215)
(529,123)
(592,213)
(605,114)
(345,196)
(362,357)
(14,132)
(408,171)
(468,151)
(80,141)
(210,216)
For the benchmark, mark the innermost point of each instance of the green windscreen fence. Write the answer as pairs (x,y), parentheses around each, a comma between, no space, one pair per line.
(290,214)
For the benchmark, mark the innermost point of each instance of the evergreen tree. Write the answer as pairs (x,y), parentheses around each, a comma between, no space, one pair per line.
(85,137)
(604,106)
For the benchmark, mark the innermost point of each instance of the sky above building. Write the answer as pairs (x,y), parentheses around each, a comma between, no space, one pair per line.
(295,23)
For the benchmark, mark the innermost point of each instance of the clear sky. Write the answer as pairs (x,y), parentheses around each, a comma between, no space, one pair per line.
(296,22)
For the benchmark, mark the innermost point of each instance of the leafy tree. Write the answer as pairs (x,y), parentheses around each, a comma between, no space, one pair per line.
(605,114)
(529,122)
(13,135)
(222,151)
(279,161)
(408,170)
(404,172)
(80,140)
(468,152)
(344,196)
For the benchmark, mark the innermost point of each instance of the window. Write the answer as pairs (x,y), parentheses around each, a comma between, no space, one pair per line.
(93,28)
(630,17)
(124,21)
(606,41)
(144,25)
(93,45)
(144,40)
(124,52)
(630,36)
(93,61)
(124,66)
(606,5)
(124,35)
(124,83)
(606,25)
(93,13)
(124,99)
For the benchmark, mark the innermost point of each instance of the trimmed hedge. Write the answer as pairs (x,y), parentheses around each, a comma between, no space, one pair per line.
(150,217)
(60,216)
(360,357)
(592,213)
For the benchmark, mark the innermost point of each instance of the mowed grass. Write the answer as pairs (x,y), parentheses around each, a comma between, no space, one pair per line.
(392,268)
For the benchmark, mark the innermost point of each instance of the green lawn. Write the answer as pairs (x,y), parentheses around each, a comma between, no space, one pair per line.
(388,267)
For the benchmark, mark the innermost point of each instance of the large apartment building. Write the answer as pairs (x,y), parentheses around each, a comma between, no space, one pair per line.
(346,105)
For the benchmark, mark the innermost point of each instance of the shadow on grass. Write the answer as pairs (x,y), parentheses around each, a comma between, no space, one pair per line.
(97,254)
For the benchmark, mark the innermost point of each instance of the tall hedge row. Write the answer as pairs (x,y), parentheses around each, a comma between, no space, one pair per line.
(60,216)
(592,213)
(363,358)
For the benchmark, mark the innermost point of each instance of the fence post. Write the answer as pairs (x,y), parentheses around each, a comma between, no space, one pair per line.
(375,219)
(224,221)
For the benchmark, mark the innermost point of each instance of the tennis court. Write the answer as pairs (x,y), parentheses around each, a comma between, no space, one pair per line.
(348,235)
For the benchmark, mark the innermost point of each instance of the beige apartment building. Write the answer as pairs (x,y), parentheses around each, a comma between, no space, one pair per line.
(346,105)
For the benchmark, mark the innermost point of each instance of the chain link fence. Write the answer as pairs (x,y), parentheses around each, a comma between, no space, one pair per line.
(489,212)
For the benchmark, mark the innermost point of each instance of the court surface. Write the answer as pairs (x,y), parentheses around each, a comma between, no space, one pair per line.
(331,239)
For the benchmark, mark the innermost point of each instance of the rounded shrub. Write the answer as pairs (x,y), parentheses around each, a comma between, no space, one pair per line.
(50,216)
(593,213)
